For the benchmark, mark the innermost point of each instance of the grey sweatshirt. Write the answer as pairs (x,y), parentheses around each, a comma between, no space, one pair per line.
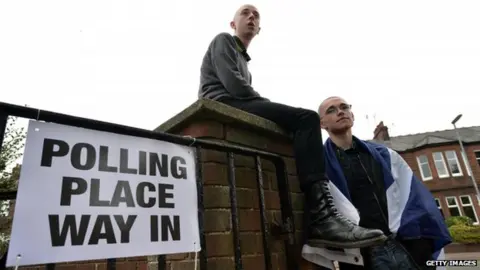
(224,71)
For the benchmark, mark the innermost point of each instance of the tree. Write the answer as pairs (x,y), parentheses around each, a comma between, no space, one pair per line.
(13,142)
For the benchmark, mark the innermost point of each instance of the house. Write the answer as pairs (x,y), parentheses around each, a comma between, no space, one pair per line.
(436,159)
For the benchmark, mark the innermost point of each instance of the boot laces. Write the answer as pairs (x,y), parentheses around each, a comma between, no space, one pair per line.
(331,203)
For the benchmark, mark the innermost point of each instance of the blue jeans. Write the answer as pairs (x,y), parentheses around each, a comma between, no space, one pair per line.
(391,256)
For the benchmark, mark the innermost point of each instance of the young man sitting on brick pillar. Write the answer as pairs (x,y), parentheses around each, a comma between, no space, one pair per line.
(225,78)
(375,181)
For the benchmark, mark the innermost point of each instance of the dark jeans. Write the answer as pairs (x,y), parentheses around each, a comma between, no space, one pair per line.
(307,137)
(390,256)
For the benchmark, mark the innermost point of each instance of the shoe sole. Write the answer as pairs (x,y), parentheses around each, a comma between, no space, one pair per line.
(358,244)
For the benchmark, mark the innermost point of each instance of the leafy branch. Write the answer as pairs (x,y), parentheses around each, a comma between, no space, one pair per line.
(13,142)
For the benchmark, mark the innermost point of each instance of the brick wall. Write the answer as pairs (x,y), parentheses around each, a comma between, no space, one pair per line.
(439,184)
(213,121)
(449,186)
(218,227)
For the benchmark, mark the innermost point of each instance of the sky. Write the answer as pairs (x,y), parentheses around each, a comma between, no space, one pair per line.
(413,64)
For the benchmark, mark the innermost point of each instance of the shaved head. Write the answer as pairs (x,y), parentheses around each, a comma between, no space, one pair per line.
(336,116)
(240,9)
(246,22)
(322,105)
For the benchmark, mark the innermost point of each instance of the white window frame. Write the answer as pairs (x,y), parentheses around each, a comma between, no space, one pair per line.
(460,173)
(439,205)
(465,163)
(443,163)
(420,168)
(469,204)
(456,205)
(477,158)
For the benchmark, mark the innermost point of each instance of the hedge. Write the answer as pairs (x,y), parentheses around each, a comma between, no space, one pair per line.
(465,234)
(461,220)
(463,231)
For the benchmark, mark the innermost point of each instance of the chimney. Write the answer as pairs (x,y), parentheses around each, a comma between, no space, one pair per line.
(381,133)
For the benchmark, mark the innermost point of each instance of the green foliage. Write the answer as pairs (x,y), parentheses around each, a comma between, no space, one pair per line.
(463,231)
(459,220)
(465,234)
(13,142)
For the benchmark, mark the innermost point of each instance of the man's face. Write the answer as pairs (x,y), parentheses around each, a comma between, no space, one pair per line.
(335,115)
(246,22)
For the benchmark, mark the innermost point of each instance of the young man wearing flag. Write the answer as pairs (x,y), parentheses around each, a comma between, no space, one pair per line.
(224,77)
(374,187)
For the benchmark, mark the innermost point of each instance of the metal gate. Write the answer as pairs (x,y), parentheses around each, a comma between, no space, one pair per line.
(288,227)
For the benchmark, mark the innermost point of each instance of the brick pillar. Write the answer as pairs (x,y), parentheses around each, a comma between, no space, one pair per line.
(214,121)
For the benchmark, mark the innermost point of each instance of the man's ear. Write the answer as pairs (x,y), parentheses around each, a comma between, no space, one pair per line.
(322,126)
(258,32)
(353,117)
(232,25)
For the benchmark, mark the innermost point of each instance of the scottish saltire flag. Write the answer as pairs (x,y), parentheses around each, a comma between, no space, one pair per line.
(412,211)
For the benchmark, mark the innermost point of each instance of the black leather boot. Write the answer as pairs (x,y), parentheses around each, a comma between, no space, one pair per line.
(328,228)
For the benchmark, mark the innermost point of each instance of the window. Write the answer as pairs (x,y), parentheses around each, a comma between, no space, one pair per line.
(477,156)
(453,207)
(453,163)
(439,205)
(440,165)
(424,167)
(465,162)
(468,208)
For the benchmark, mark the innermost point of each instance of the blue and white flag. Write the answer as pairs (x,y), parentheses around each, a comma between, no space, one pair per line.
(412,211)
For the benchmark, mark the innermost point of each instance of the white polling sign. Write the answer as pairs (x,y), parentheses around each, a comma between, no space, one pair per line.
(86,195)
